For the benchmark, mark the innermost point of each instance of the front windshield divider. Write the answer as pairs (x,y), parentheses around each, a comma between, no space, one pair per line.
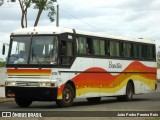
(30,50)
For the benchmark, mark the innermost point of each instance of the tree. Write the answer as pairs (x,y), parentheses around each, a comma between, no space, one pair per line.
(40,5)
(24,4)
(45,5)
(1,2)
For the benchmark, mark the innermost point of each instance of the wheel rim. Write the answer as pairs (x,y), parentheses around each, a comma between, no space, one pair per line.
(67,95)
(130,94)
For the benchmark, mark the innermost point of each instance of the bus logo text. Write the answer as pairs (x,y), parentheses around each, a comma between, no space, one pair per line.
(114,65)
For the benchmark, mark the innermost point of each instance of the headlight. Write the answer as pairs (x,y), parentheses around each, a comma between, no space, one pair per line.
(45,84)
(11,83)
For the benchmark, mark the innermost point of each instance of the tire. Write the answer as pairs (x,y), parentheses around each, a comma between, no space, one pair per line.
(23,102)
(129,93)
(94,100)
(67,96)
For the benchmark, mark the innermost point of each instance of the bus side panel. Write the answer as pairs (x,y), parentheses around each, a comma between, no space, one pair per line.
(95,77)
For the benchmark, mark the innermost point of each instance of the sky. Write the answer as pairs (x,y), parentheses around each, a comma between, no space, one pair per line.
(130,18)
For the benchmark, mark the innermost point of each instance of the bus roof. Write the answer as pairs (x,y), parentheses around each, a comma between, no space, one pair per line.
(60,30)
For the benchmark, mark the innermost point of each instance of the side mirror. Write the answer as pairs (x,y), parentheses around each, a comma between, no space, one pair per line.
(3,49)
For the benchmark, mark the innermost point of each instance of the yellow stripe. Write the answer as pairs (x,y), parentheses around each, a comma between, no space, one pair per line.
(108,89)
(150,83)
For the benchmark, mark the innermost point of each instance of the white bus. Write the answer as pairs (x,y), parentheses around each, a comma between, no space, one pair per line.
(60,64)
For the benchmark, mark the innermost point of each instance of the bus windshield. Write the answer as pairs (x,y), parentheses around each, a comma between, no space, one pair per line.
(44,50)
(19,50)
(39,50)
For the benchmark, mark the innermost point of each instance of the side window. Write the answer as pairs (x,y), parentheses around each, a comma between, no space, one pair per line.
(138,51)
(84,46)
(69,51)
(150,52)
(89,46)
(81,45)
(142,51)
(99,47)
(66,52)
(153,52)
(114,48)
(127,50)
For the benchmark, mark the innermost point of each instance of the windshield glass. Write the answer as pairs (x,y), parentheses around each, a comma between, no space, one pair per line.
(41,50)
(44,50)
(19,50)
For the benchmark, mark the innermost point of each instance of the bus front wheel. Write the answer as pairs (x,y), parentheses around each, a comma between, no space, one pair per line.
(23,102)
(67,96)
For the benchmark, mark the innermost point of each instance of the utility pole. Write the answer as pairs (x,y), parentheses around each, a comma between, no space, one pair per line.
(57,16)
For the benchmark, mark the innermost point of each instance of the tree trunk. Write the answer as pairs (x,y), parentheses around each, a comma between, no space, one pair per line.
(26,18)
(38,17)
(22,19)
(40,12)
(23,12)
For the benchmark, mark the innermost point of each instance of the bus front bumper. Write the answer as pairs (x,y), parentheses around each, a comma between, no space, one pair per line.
(34,93)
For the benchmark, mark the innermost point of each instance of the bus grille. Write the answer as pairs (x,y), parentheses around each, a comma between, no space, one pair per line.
(22,83)
(27,80)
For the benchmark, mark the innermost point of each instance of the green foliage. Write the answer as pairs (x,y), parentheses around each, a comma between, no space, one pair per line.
(51,10)
(13,0)
(47,5)
(2,64)
(27,3)
(40,5)
(156,118)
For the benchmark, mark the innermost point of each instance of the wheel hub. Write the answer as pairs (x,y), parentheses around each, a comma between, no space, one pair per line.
(67,96)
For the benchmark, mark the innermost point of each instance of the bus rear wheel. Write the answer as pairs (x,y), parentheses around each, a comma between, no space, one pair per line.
(23,102)
(129,93)
(67,96)
(94,100)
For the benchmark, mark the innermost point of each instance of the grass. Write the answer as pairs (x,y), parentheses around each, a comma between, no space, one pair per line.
(2,64)
(157,118)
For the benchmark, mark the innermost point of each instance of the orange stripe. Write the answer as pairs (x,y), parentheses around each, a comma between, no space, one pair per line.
(29,71)
(108,80)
